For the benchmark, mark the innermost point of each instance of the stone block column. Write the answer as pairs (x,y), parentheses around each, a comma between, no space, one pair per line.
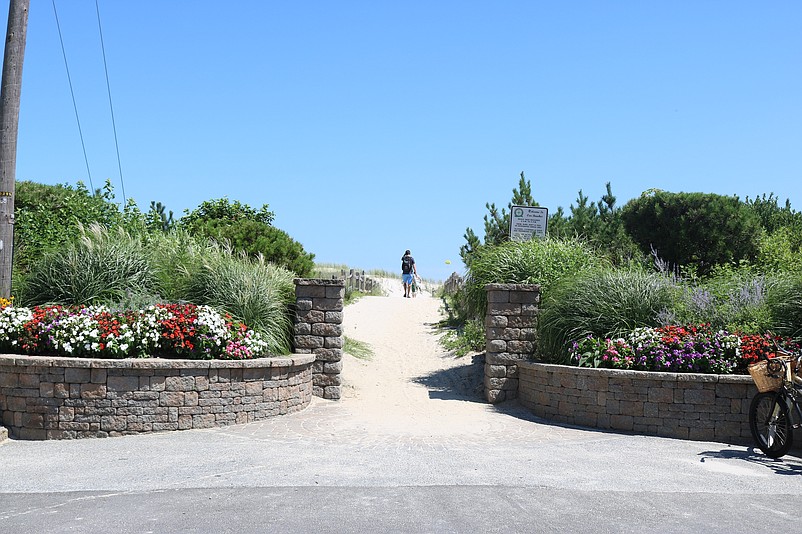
(319,331)
(511,335)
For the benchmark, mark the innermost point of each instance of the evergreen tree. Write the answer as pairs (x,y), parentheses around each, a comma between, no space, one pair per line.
(559,224)
(497,222)
(158,218)
(693,229)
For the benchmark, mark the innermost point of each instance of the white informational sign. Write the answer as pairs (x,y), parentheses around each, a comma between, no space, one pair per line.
(527,222)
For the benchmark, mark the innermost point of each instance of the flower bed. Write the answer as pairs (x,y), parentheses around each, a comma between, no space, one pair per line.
(109,373)
(671,381)
(678,349)
(170,330)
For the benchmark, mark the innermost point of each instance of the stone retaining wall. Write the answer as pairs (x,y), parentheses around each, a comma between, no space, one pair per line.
(62,398)
(319,331)
(678,405)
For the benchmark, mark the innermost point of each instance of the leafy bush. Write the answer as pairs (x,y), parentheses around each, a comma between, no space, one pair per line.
(50,216)
(540,261)
(277,247)
(781,252)
(468,336)
(601,302)
(102,267)
(773,217)
(250,231)
(227,210)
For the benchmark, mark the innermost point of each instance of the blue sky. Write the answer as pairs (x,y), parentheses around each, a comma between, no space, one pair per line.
(371,127)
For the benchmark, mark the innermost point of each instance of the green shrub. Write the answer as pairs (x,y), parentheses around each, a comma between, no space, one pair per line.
(781,252)
(50,216)
(539,261)
(225,209)
(693,228)
(102,267)
(467,337)
(250,231)
(602,302)
(257,238)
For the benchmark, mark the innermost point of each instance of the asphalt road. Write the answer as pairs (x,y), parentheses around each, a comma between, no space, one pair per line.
(322,470)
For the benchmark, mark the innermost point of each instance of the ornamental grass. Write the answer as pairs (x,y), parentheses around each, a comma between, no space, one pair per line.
(253,291)
(123,272)
(100,268)
(602,303)
(540,261)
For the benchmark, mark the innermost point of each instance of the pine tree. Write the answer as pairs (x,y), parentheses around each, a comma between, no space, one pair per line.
(497,223)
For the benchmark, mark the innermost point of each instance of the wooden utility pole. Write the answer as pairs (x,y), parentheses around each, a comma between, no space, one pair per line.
(9,126)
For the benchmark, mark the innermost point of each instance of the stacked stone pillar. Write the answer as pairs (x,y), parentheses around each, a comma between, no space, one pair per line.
(511,335)
(319,331)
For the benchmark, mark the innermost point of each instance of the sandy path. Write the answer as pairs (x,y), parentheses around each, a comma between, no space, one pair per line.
(411,385)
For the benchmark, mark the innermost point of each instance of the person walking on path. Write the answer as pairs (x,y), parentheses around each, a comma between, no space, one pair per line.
(408,272)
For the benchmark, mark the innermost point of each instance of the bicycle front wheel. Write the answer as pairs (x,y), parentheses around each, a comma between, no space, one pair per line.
(770,423)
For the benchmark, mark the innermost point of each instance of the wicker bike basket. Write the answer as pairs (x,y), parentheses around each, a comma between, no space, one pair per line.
(764,380)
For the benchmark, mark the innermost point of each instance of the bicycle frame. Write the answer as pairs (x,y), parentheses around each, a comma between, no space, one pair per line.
(790,395)
(772,419)
(790,392)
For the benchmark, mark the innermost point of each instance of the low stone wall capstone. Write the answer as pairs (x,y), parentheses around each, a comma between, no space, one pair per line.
(698,407)
(64,398)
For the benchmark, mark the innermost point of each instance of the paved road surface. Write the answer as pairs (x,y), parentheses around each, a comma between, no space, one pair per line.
(410,448)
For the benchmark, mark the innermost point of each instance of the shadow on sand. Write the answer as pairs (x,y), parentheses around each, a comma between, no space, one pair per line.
(464,382)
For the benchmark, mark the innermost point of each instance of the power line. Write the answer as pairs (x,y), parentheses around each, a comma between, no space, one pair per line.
(72,93)
(111,107)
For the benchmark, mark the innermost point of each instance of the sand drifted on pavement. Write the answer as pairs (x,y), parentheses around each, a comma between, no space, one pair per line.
(412,385)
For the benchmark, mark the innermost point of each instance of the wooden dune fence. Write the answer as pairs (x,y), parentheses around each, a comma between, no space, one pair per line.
(357,280)
(453,284)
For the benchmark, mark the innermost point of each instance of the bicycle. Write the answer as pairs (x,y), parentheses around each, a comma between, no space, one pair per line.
(777,405)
